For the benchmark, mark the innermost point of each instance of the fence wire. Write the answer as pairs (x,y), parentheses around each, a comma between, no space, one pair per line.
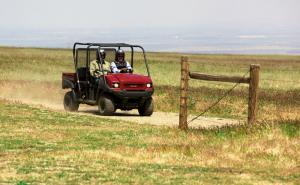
(218,101)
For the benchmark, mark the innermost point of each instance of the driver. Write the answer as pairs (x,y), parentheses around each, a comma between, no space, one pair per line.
(120,65)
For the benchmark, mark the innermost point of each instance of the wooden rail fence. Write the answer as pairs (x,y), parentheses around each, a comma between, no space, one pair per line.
(253,82)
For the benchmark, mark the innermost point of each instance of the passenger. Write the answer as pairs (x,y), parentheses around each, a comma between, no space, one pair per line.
(96,71)
(120,65)
(95,65)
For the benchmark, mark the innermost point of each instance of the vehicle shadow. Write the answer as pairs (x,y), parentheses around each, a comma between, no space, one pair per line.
(121,114)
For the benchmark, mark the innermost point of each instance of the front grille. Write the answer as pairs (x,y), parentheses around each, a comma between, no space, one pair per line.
(135,90)
(134,85)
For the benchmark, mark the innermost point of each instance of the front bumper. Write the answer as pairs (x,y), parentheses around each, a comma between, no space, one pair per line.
(133,94)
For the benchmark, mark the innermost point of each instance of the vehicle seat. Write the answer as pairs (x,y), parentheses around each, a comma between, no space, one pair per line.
(82,73)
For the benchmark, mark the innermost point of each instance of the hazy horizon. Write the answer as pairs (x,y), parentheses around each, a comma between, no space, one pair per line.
(197,26)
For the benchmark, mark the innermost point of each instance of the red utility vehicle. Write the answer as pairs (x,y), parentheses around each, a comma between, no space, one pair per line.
(125,91)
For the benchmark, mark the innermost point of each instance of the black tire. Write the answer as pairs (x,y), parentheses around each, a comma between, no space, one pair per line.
(106,106)
(147,108)
(70,102)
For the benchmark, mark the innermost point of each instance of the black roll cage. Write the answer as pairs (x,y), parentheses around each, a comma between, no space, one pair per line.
(107,45)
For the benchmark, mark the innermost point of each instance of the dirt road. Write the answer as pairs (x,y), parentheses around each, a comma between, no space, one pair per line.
(51,97)
(166,118)
(157,118)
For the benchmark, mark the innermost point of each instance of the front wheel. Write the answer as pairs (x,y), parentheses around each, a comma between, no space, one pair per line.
(106,106)
(147,108)
(70,102)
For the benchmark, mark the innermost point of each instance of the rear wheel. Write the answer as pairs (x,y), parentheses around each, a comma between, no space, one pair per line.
(106,106)
(70,102)
(147,108)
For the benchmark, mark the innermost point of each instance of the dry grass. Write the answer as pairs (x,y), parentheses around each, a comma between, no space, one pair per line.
(39,146)
(35,75)
(48,64)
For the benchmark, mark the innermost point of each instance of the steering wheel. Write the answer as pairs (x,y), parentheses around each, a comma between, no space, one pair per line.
(123,70)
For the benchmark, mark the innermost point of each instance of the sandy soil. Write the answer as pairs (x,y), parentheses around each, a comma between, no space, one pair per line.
(50,96)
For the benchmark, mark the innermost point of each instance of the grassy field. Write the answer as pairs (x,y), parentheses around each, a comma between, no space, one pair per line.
(38,145)
(26,69)
(48,64)
(41,146)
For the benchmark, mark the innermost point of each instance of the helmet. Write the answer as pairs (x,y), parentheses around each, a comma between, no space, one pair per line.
(120,55)
(102,53)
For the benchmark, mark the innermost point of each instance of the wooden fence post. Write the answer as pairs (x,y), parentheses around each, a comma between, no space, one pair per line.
(253,92)
(183,93)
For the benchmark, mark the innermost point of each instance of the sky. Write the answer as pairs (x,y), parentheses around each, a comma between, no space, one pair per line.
(217,26)
(167,14)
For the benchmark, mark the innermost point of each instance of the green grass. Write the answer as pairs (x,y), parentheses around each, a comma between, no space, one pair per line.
(41,146)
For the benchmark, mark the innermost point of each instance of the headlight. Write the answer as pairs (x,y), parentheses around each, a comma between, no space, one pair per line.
(115,85)
(148,85)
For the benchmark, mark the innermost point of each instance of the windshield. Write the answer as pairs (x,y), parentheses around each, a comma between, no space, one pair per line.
(139,66)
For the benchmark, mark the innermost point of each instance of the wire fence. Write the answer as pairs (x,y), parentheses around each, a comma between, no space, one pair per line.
(218,101)
(245,66)
(287,108)
(267,110)
(238,68)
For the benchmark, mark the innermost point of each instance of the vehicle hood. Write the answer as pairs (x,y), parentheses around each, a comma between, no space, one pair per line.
(128,78)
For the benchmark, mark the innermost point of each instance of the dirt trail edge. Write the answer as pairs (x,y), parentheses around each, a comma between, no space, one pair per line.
(157,118)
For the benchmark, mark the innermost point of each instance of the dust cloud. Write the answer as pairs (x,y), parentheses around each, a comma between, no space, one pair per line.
(33,92)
